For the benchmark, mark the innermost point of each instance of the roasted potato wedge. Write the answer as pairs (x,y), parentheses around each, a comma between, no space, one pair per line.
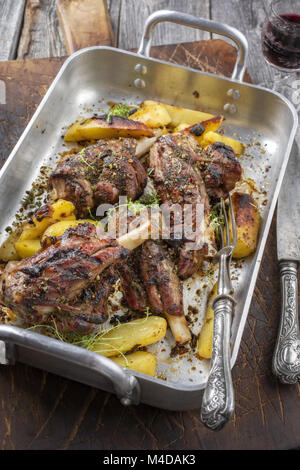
(201,128)
(247,219)
(205,337)
(140,361)
(7,249)
(99,128)
(153,114)
(45,216)
(181,127)
(211,137)
(180,115)
(57,229)
(27,248)
(126,336)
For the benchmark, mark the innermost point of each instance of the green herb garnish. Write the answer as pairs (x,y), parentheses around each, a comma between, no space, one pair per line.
(28,199)
(90,165)
(86,341)
(216,217)
(90,214)
(148,200)
(83,160)
(120,110)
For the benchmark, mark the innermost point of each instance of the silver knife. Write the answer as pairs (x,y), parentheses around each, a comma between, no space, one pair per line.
(286,357)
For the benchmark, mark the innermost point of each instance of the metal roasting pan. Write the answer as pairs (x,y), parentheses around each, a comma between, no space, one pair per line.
(108,74)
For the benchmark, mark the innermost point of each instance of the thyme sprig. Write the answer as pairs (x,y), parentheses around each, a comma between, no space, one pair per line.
(90,214)
(90,341)
(83,160)
(216,217)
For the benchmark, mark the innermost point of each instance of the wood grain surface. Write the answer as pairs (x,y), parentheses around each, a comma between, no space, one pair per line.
(84,23)
(11,17)
(41,35)
(42,411)
(37,34)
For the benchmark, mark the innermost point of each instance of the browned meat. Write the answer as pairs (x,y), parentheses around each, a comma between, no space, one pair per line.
(222,171)
(132,287)
(64,281)
(150,280)
(178,180)
(99,174)
(160,280)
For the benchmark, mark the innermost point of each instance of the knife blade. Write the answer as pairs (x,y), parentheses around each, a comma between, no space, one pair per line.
(288,211)
(286,356)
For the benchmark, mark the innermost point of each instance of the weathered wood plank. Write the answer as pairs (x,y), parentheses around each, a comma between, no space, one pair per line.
(11,18)
(41,35)
(133,15)
(84,23)
(114,9)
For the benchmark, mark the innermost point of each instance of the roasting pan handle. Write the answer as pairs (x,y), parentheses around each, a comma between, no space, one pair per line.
(125,385)
(199,23)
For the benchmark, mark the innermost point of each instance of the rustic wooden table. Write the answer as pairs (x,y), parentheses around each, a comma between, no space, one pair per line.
(43,411)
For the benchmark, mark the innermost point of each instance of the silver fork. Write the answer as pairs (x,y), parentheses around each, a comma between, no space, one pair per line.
(218,399)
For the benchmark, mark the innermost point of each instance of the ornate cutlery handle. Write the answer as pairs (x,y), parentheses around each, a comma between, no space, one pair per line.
(286,358)
(218,399)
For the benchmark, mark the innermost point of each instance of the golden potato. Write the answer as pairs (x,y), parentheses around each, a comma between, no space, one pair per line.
(181,115)
(201,128)
(153,114)
(45,216)
(99,128)
(140,361)
(211,137)
(57,229)
(7,249)
(210,125)
(205,337)
(27,248)
(126,336)
(181,127)
(247,219)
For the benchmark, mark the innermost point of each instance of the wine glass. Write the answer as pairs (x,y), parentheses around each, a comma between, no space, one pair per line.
(281,45)
(281,35)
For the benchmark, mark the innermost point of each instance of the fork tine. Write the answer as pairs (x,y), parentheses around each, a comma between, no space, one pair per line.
(227,241)
(221,235)
(233,223)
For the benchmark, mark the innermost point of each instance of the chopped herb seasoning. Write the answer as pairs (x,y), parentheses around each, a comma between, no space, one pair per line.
(120,110)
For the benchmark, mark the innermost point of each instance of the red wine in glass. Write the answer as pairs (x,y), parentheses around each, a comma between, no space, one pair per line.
(281,41)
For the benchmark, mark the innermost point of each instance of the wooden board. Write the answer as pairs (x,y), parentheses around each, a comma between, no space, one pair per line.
(11,17)
(61,414)
(84,23)
(40,35)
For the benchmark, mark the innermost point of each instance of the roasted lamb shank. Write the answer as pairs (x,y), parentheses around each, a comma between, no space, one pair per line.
(186,175)
(149,279)
(69,281)
(99,174)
